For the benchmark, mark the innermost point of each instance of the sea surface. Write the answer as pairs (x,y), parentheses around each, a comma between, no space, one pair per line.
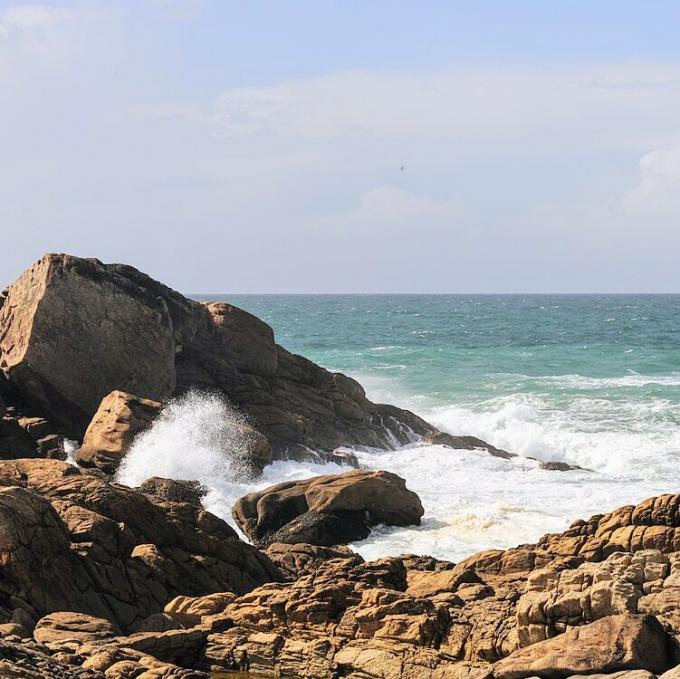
(592,380)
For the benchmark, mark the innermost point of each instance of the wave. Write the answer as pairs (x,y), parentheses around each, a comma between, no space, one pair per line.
(472,500)
(632,380)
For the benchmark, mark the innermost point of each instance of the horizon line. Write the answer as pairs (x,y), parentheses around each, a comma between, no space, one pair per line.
(435,294)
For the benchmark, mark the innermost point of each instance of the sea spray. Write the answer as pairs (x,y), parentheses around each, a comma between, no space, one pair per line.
(197,436)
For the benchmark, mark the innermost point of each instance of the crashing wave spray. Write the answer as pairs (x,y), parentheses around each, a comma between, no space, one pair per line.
(197,436)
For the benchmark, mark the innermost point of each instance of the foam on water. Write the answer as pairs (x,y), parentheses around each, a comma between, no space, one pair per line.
(472,500)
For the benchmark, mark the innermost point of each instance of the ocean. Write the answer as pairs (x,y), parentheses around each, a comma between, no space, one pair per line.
(593,380)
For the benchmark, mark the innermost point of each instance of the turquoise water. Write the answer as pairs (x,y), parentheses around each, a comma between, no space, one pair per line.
(591,380)
(588,363)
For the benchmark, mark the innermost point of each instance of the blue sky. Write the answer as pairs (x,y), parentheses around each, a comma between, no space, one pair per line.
(258,147)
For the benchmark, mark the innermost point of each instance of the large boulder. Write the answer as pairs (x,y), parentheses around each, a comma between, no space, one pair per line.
(71,541)
(612,644)
(119,418)
(73,330)
(69,625)
(327,510)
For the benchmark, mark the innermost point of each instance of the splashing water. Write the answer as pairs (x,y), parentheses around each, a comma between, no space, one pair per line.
(590,380)
(197,436)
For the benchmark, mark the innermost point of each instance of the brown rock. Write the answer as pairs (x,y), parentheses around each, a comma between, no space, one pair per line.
(73,330)
(189,611)
(327,510)
(72,541)
(618,642)
(174,491)
(303,559)
(68,625)
(440,438)
(119,418)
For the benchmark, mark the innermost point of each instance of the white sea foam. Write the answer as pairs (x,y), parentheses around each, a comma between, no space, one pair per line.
(472,500)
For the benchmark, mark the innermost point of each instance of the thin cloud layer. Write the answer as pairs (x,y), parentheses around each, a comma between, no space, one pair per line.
(118,147)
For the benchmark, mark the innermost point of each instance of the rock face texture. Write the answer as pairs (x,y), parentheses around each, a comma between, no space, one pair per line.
(615,643)
(23,435)
(554,609)
(74,542)
(327,510)
(73,330)
(119,418)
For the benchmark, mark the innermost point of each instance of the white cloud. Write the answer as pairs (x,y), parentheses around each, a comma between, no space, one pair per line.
(390,203)
(657,196)
(592,101)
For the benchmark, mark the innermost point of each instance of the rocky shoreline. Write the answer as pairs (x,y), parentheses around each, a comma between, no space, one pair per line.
(101,580)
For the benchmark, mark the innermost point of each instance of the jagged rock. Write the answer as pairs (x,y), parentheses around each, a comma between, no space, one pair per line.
(73,330)
(617,642)
(345,458)
(555,466)
(119,418)
(189,611)
(68,625)
(31,661)
(175,491)
(23,435)
(440,438)
(327,510)
(302,559)
(72,541)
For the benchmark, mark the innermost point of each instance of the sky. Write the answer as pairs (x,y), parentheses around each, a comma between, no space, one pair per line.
(346,147)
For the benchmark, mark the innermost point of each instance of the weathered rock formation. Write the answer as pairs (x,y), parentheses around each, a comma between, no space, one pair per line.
(175,491)
(29,436)
(74,542)
(327,510)
(119,418)
(73,330)
(559,608)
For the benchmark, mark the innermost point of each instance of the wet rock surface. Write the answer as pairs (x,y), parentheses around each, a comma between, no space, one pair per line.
(327,510)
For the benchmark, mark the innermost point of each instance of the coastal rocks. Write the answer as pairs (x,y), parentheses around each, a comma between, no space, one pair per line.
(28,660)
(327,510)
(440,438)
(189,611)
(73,330)
(614,643)
(174,491)
(72,541)
(22,435)
(119,418)
(301,559)
(68,625)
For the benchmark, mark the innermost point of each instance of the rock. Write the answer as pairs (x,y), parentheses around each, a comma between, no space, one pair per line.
(174,491)
(189,611)
(560,467)
(119,418)
(440,438)
(68,625)
(29,436)
(72,541)
(31,661)
(303,559)
(327,510)
(73,330)
(431,583)
(345,458)
(614,643)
